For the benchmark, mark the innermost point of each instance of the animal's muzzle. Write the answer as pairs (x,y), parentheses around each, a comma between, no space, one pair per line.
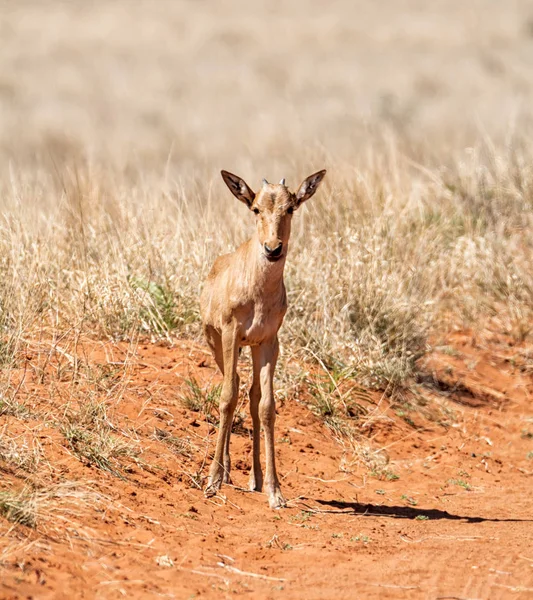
(273,253)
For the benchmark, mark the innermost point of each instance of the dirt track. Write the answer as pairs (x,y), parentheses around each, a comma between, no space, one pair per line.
(456,523)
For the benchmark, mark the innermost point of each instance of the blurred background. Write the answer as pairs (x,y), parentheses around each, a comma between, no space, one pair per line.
(192,84)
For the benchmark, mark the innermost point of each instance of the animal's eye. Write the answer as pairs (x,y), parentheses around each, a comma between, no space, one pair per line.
(256,211)
(290,210)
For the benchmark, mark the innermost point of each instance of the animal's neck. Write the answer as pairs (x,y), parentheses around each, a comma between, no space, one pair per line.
(267,276)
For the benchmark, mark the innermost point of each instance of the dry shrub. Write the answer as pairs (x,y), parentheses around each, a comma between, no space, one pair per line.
(32,505)
(21,455)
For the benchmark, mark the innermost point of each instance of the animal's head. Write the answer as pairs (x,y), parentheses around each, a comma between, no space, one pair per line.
(273,206)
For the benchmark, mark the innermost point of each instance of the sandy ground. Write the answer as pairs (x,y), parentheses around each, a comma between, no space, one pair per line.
(453,521)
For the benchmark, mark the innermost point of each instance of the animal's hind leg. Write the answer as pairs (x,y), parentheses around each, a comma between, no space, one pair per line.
(268,354)
(256,475)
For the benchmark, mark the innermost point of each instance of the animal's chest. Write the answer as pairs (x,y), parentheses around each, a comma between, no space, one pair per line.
(262,324)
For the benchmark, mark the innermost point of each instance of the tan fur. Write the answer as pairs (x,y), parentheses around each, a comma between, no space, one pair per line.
(243,304)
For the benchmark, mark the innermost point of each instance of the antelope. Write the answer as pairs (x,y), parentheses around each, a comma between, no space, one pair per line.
(243,303)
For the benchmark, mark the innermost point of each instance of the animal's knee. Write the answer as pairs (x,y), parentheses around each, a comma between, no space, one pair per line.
(267,412)
(229,395)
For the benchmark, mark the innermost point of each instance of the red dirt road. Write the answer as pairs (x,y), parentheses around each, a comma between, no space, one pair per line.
(457,522)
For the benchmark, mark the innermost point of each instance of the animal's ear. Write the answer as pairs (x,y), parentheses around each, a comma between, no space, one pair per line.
(239,188)
(309,186)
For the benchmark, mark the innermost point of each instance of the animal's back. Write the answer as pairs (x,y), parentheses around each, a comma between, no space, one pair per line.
(220,265)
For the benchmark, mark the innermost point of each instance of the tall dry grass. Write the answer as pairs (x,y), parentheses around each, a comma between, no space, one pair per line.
(389,252)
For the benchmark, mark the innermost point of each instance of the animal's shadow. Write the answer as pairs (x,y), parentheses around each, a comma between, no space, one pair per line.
(407,512)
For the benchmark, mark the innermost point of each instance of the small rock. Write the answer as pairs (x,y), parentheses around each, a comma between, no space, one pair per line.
(164,561)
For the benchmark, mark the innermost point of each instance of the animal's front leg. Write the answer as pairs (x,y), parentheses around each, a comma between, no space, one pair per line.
(220,466)
(267,412)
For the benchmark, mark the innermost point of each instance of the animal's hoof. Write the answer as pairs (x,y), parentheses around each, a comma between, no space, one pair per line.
(227,479)
(276,499)
(213,486)
(255,484)
(210,491)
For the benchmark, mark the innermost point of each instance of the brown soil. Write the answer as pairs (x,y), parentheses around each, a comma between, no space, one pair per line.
(457,522)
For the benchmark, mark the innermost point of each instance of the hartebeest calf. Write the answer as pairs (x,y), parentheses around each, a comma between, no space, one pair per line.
(243,304)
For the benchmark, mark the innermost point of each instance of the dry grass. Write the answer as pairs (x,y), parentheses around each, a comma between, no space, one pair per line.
(19,454)
(383,257)
(29,506)
(200,400)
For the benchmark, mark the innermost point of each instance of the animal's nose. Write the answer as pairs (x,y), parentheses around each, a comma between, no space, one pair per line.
(273,251)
